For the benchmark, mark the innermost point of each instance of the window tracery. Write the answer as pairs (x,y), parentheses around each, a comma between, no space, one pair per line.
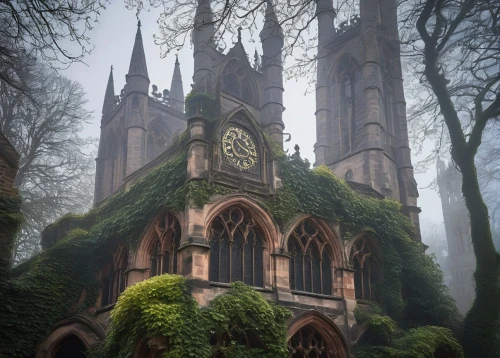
(114,279)
(236,248)
(310,260)
(308,343)
(366,269)
(236,80)
(163,254)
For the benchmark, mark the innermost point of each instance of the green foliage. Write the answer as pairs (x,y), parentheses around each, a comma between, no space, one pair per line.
(163,306)
(43,290)
(159,306)
(242,313)
(201,103)
(383,338)
(200,191)
(411,289)
(421,342)
(10,223)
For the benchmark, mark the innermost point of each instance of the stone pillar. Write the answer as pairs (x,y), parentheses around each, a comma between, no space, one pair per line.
(325,14)
(281,273)
(194,249)
(345,279)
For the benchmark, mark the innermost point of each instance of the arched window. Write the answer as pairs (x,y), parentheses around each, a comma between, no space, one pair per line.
(114,278)
(163,254)
(157,139)
(111,166)
(236,248)
(308,343)
(310,260)
(347,81)
(365,264)
(236,80)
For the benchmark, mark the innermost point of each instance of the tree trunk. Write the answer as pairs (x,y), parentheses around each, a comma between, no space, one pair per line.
(480,324)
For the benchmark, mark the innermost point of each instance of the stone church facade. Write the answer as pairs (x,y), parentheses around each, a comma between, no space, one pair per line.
(304,266)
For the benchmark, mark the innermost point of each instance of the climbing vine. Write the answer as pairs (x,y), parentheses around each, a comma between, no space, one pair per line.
(162,306)
(411,290)
(384,339)
(44,290)
(201,103)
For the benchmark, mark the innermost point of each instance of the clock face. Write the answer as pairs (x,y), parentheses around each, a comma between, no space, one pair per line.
(239,148)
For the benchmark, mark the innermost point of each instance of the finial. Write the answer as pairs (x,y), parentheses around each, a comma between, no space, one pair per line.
(177,59)
(111,68)
(239,34)
(138,23)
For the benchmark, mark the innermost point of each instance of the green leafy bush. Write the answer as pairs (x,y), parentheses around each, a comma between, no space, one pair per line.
(160,306)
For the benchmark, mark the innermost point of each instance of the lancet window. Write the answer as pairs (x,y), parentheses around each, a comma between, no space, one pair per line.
(156,140)
(363,257)
(236,80)
(111,165)
(114,278)
(310,259)
(308,343)
(347,81)
(163,254)
(236,248)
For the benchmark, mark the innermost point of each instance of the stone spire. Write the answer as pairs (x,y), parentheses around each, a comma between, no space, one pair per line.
(272,27)
(176,89)
(203,41)
(137,77)
(109,97)
(272,67)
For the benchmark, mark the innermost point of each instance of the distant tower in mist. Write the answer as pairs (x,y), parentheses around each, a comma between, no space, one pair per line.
(461,259)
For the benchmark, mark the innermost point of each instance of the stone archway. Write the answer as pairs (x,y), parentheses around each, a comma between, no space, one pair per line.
(70,337)
(314,335)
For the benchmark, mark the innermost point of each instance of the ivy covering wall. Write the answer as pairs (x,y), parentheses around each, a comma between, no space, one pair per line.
(163,306)
(44,290)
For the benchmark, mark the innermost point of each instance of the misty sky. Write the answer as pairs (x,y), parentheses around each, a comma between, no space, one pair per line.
(113,38)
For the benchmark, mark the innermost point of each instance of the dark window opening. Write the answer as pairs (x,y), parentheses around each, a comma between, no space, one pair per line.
(236,81)
(167,237)
(310,260)
(71,347)
(308,343)
(114,280)
(366,269)
(236,249)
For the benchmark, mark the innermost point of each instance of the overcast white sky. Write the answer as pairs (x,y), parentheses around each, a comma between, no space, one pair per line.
(113,38)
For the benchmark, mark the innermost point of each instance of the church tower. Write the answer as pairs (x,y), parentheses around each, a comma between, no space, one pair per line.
(361,125)
(461,259)
(136,127)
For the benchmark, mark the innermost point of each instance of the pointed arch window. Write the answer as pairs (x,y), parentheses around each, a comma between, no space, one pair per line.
(236,248)
(347,79)
(237,81)
(111,166)
(157,139)
(366,266)
(114,277)
(163,254)
(310,260)
(308,343)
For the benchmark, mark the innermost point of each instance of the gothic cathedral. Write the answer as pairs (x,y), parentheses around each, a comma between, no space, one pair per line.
(230,134)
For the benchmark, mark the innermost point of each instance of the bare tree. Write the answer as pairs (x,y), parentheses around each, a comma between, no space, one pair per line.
(53,30)
(456,52)
(43,121)
(297,18)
